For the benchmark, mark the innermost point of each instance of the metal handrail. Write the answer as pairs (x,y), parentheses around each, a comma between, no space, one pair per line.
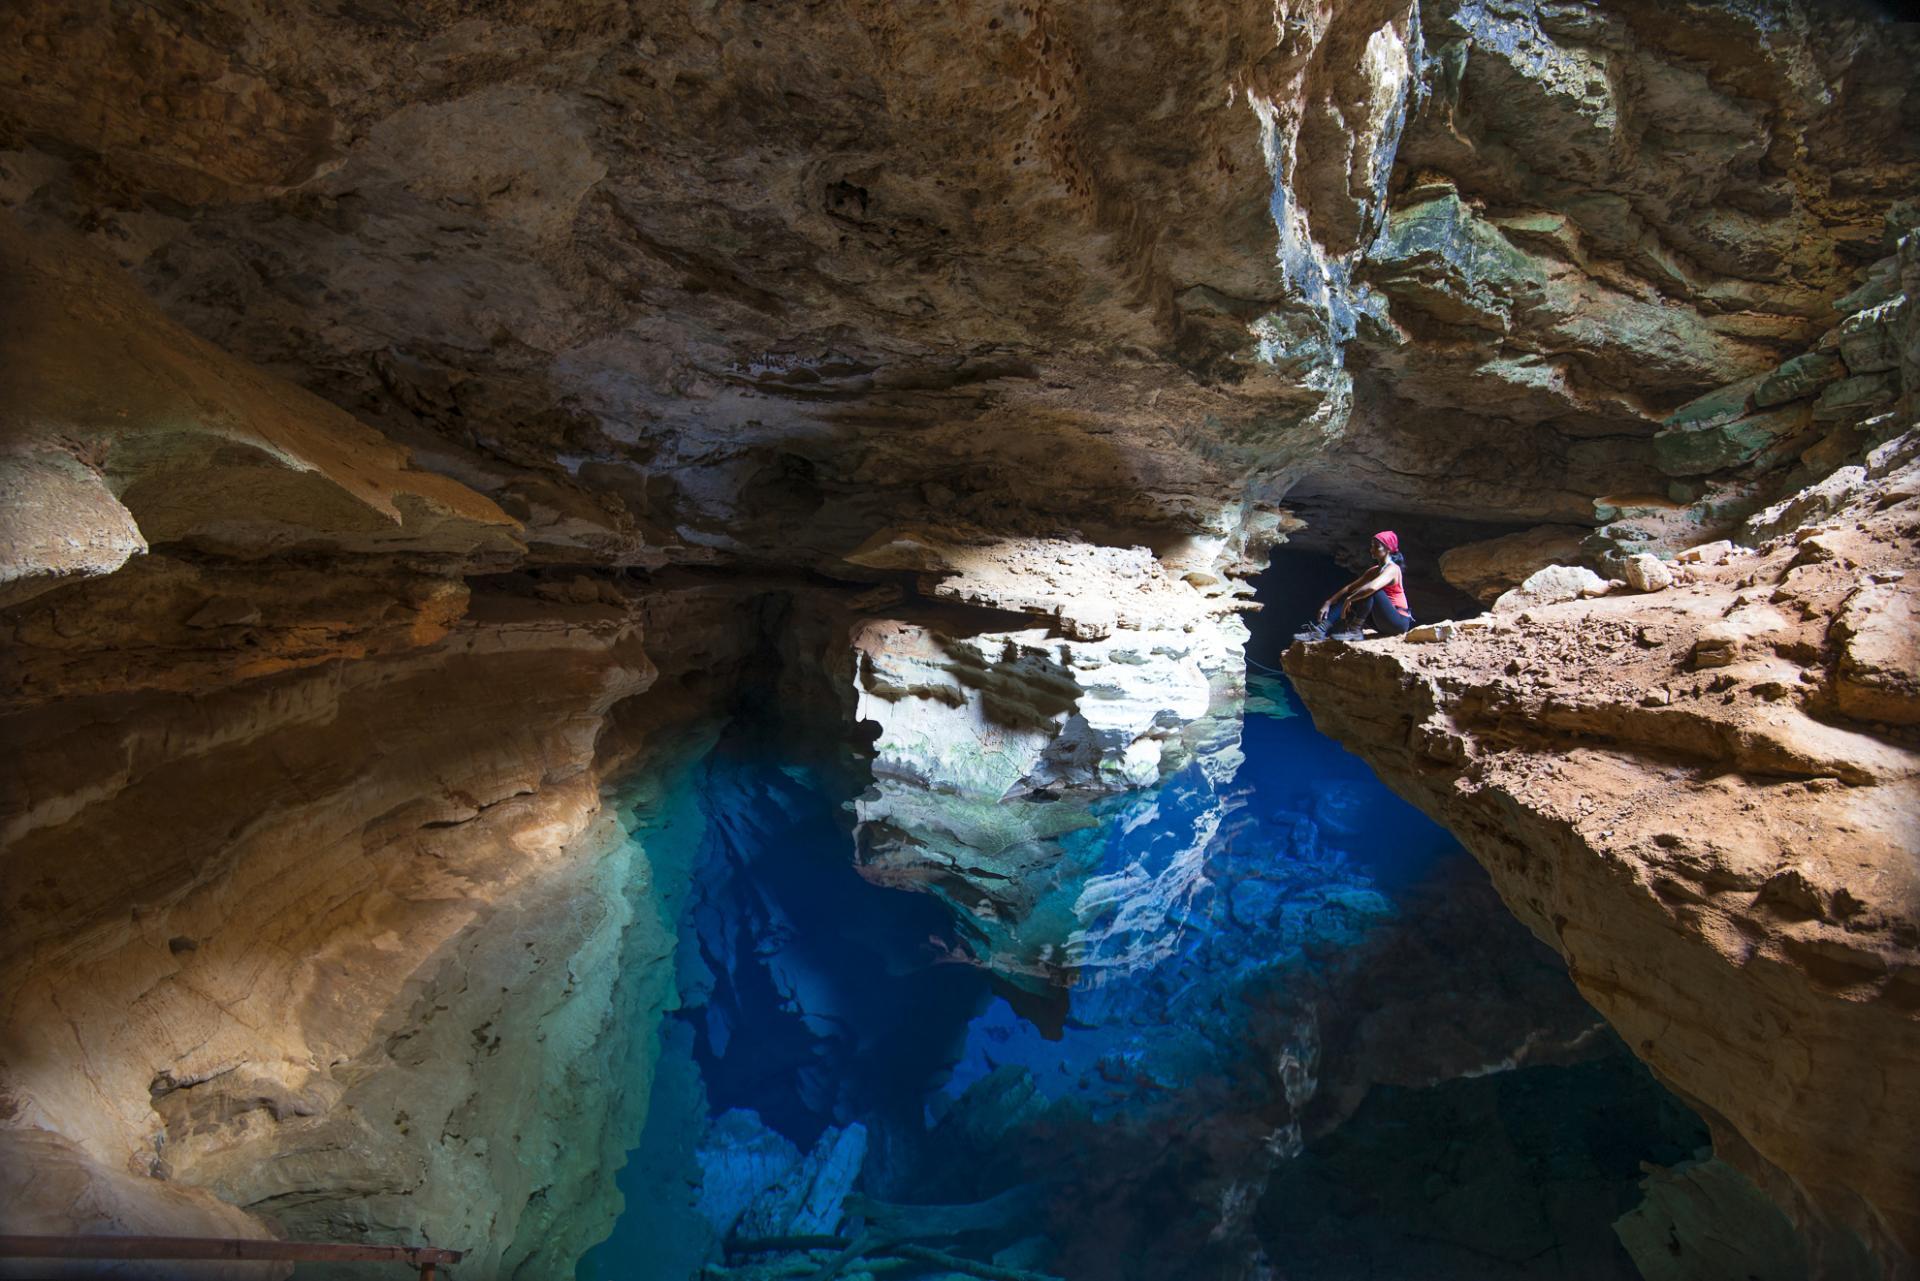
(259,1250)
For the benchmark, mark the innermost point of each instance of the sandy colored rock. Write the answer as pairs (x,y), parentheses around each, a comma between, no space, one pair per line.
(186,444)
(58,518)
(411,417)
(1878,675)
(1670,790)
(272,911)
(50,1187)
(1712,553)
(1486,569)
(1647,573)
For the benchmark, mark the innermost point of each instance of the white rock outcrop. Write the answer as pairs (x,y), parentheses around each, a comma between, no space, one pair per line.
(1553,585)
(990,744)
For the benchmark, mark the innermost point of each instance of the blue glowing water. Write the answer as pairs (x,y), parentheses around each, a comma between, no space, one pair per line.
(1266,951)
(818,1000)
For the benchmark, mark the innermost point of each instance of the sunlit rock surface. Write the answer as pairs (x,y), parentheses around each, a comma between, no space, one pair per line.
(323,993)
(992,746)
(306,852)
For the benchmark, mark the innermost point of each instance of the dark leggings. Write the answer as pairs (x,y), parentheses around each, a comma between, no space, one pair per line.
(1379,611)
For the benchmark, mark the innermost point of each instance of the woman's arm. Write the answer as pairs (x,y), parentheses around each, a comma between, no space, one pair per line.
(1326,606)
(1365,585)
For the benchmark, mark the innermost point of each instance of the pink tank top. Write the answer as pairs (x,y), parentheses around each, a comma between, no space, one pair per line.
(1397,592)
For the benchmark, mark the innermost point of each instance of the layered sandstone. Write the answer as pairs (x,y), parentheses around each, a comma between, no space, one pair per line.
(769,284)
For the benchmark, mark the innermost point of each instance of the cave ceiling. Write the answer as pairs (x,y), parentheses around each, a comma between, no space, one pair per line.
(748,283)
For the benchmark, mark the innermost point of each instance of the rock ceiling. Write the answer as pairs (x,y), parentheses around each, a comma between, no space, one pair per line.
(753,283)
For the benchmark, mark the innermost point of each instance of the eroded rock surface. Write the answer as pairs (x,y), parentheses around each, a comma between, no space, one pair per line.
(307,854)
(1708,799)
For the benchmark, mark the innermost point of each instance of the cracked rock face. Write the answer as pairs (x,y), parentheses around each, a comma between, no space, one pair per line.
(1707,798)
(305,834)
(730,283)
(417,422)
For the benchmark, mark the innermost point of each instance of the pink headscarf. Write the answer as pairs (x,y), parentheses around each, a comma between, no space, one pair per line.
(1388,539)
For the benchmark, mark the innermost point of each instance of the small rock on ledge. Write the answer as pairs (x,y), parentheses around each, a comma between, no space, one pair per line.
(1647,573)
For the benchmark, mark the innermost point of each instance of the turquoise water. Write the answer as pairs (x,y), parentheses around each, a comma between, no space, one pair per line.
(1306,1042)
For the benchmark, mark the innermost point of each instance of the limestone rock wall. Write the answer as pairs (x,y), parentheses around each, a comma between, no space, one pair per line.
(1735,460)
(324,952)
(676,285)
(312,890)
(770,285)
(1597,214)
(1705,797)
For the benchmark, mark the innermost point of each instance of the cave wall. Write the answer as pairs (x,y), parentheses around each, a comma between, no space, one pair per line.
(1598,213)
(309,857)
(1705,798)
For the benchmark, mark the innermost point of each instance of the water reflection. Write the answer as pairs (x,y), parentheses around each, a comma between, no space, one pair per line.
(1057,795)
(1111,1017)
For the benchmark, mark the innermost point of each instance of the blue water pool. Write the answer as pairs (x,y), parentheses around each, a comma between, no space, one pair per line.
(1302,1040)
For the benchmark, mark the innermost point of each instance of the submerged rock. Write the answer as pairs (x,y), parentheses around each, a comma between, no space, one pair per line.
(1702,1220)
(754,1183)
(741,1162)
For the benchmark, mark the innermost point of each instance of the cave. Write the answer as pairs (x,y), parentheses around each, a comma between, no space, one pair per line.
(678,643)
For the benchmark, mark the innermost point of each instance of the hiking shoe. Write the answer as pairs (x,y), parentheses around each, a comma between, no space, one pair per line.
(1350,634)
(1311,632)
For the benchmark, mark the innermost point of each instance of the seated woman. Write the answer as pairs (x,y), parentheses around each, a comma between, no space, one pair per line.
(1378,597)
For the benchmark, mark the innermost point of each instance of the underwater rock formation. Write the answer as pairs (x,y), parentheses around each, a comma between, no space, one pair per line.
(1706,799)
